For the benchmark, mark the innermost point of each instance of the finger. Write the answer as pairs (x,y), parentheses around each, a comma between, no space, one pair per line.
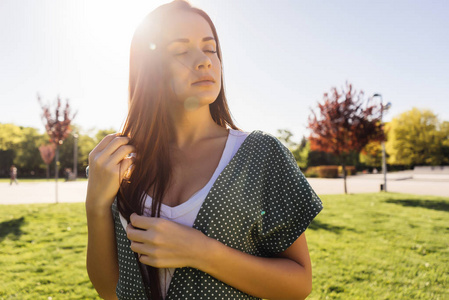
(141,222)
(135,235)
(104,142)
(121,153)
(138,248)
(114,144)
(126,168)
(146,260)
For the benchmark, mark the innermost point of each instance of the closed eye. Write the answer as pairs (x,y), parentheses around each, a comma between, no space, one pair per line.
(182,53)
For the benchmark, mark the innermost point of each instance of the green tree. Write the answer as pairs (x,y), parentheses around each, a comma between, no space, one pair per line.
(18,146)
(10,136)
(6,160)
(102,133)
(28,157)
(416,137)
(85,143)
(285,136)
(301,153)
(371,155)
(444,130)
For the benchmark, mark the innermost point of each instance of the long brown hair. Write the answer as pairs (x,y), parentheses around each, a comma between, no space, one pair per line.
(148,124)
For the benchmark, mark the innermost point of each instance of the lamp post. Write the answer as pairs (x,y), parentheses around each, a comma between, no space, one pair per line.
(384,161)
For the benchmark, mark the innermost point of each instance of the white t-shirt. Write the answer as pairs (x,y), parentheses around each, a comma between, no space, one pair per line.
(186,212)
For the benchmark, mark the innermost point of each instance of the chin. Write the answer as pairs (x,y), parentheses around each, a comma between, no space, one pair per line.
(194,102)
(203,98)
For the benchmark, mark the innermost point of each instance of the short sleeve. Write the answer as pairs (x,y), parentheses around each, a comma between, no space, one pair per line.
(289,202)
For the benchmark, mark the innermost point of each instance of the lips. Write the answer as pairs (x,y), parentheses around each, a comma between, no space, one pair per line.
(204,80)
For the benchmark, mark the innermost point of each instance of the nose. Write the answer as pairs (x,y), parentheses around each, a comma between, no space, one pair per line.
(203,62)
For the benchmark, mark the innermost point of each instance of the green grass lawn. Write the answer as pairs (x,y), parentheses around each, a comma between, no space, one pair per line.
(365,246)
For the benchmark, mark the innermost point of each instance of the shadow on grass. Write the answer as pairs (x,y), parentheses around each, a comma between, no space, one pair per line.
(429,204)
(316,224)
(11,227)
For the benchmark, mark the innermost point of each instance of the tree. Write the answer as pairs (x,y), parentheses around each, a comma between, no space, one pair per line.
(28,157)
(371,154)
(444,129)
(346,122)
(18,146)
(85,146)
(47,154)
(57,126)
(102,133)
(417,137)
(285,136)
(10,136)
(301,153)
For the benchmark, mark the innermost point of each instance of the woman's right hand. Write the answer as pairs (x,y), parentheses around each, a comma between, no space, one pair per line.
(108,163)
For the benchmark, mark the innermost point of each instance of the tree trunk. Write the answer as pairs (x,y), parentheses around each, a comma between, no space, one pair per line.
(48,172)
(343,165)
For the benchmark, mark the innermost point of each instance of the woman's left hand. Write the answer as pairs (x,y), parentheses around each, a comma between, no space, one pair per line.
(166,244)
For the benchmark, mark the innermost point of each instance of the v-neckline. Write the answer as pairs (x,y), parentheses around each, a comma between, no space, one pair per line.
(231,162)
(125,223)
(227,149)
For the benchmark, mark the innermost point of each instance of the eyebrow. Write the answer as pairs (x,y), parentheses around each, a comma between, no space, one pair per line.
(205,39)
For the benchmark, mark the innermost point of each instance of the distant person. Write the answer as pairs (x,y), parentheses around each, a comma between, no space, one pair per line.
(13,175)
(68,174)
(208,211)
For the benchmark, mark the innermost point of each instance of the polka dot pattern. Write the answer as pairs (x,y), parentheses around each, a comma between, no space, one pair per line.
(129,284)
(260,204)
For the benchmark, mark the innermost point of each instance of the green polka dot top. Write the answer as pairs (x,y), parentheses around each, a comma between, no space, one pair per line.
(259,204)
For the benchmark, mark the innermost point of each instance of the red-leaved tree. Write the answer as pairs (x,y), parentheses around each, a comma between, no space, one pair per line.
(345,122)
(57,125)
(47,154)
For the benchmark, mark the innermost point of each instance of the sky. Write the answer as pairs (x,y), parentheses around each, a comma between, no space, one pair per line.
(279,57)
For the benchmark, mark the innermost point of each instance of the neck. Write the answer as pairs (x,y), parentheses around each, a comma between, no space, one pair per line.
(192,127)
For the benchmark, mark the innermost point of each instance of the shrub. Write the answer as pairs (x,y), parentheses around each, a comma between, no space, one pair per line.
(350,170)
(322,171)
(328,171)
(311,172)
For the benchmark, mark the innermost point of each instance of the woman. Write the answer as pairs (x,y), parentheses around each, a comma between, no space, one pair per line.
(199,207)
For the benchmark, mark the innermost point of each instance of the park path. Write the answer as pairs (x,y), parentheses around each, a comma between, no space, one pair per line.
(42,192)
(400,182)
(372,185)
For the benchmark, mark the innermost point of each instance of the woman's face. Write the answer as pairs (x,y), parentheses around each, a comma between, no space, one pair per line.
(194,67)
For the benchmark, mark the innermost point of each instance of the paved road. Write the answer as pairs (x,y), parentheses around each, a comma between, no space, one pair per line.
(42,192)
(358,185)
(400,182)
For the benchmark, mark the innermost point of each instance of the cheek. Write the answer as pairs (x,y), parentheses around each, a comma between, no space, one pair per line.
(217,69)
(177,86)
(177,80)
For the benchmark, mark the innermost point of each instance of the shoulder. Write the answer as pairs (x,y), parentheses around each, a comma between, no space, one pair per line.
(264,138)
(267,143)
(265,150)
